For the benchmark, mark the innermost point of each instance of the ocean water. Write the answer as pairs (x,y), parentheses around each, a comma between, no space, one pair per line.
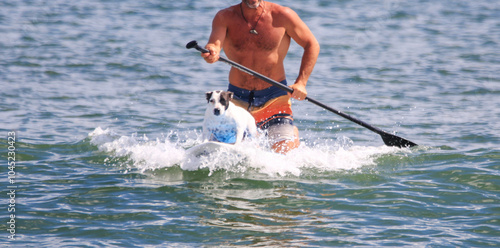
(100,99)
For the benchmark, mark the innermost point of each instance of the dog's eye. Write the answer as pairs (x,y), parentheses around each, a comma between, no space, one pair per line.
(212,100)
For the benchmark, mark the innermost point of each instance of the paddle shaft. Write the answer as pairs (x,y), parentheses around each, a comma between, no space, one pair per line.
(389,139)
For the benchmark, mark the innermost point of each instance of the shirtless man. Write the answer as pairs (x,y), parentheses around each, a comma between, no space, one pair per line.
(257,35)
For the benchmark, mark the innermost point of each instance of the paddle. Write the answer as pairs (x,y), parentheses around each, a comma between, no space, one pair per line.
(389,139)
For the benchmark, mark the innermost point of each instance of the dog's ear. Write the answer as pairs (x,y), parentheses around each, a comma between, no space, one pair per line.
(226,96)
(209,95)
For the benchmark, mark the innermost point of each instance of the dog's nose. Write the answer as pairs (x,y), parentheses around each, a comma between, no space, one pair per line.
(216,111)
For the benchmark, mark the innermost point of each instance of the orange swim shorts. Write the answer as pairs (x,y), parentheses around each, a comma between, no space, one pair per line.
(272,115)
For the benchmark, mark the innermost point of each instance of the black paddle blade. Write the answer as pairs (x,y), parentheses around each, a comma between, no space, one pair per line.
(393,140)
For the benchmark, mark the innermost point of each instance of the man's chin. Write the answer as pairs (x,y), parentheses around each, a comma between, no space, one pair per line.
(253,6)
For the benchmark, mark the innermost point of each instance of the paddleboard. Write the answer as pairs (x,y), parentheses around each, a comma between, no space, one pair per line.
(208,148)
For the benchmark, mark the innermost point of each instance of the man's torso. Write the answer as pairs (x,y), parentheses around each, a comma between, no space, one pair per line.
(263,53)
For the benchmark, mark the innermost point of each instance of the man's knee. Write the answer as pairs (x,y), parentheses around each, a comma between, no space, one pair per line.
(287,143)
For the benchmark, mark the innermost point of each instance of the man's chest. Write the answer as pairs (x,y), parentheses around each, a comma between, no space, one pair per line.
(268,38)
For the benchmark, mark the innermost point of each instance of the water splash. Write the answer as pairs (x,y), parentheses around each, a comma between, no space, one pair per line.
(144,154)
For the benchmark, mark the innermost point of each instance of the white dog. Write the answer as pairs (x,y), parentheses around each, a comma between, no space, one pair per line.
(226,122)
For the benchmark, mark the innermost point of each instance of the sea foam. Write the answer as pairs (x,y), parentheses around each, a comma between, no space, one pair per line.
(143,154)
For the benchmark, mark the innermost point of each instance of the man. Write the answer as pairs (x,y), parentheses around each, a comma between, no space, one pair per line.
(257,35)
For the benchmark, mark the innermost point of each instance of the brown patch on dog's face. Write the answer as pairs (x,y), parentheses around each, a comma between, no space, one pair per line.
(225,98)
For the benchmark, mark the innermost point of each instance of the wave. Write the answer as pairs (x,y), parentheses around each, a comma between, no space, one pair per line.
(141,153)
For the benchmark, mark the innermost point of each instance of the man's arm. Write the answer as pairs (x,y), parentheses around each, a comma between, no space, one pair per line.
(216,40)
(301,34)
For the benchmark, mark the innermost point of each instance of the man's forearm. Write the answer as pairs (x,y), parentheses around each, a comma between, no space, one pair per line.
(309,58)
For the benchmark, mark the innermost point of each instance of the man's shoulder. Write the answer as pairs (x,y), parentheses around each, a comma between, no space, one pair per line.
(227,12)
(280,10)
(226,16)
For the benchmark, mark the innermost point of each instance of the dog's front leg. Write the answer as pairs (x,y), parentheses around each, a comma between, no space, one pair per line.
(206,134)
(239,135)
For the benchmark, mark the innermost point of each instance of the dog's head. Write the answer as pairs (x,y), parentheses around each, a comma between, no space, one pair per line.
(219,101)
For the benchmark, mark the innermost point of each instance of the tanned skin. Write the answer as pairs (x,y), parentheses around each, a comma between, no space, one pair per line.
(264,52)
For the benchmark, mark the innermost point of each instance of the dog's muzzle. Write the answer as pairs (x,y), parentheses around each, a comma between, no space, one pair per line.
(216,112)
